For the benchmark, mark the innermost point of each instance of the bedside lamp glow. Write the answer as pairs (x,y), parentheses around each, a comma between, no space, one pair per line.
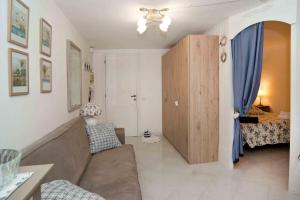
(261,93)
(89,111)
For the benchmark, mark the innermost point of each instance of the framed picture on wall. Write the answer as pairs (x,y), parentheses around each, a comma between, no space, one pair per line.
(18,23)
(45,38)
(18,63)
(46,75)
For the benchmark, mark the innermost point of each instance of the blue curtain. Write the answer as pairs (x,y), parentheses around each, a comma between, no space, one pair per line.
(247,53)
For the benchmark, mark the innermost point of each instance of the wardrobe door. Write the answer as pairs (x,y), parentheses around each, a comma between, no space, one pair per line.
(165,94)
(172,96)
(182,93)
(204,98)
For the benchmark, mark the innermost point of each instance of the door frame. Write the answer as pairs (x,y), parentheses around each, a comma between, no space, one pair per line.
(231,27)
(294,174)
(126,52)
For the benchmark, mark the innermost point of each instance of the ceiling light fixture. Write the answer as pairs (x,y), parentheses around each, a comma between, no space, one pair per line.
(153,16)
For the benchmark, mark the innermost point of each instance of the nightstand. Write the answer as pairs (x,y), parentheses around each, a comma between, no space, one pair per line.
(264,108)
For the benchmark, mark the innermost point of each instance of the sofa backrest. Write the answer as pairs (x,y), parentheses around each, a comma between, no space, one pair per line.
(67,148)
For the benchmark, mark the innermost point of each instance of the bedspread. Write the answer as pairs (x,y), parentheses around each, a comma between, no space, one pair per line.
(270,130)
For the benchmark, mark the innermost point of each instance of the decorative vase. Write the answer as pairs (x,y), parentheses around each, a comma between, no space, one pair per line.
(9,165)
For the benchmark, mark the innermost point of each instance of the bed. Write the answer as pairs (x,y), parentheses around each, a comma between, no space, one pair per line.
(269,130)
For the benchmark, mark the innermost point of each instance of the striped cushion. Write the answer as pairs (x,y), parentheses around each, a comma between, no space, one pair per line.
(102,137)
(64,190)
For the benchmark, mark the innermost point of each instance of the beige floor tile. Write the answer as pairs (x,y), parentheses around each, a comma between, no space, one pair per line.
(262,174)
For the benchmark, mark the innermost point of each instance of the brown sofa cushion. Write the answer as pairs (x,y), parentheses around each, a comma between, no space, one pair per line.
(113,174)
(120,132)
(67,148)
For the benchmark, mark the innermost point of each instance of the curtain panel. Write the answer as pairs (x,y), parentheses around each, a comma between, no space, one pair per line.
(247,55)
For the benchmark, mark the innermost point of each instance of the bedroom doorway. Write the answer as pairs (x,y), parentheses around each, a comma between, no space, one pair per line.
(266,127)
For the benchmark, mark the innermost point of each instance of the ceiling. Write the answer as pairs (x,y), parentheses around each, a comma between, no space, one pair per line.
(111,24)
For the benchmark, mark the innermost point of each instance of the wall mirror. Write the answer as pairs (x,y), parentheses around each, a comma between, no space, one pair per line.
(74,76)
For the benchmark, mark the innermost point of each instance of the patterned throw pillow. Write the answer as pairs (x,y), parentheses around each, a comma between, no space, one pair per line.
(64,190)
(102,137)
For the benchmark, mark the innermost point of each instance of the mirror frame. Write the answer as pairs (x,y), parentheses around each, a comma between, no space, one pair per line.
(75,106)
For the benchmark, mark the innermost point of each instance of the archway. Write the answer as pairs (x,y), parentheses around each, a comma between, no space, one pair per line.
(264,153)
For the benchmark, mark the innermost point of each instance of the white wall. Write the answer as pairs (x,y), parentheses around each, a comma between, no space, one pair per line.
(280,10)
(149,87)
(294,180)
(25,119)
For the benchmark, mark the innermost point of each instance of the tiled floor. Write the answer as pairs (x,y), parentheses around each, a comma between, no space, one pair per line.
(163,174)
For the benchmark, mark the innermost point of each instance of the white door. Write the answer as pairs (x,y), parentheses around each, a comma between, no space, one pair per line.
(121,91)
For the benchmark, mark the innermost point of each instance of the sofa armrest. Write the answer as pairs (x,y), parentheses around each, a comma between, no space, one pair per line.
(120,132)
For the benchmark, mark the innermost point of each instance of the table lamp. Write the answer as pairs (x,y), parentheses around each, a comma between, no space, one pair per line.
(261,94)
(89,111)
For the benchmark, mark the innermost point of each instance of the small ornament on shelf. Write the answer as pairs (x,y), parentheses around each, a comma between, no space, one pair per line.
(87,67)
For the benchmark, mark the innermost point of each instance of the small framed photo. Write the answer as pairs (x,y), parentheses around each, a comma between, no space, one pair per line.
(46,75)
(45,38)
(18,23)
(92,78)
(18,72)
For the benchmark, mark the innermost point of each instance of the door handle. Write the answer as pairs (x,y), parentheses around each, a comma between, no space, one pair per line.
(134,97)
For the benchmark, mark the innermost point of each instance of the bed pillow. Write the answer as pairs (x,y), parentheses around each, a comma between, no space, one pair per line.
(61,189)
(255,111)
(102,137)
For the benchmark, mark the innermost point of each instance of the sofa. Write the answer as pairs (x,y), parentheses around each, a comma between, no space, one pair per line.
(112,174)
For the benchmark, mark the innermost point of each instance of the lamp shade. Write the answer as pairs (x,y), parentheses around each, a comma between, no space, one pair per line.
(163,27)
(142,29)
(261,93)
(90,109)
(142,21)
(166,20)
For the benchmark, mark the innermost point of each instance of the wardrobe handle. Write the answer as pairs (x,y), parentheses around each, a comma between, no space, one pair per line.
(176,103)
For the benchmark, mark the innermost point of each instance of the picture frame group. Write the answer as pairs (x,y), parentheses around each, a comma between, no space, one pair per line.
(18,63)
(18,23)
(45,38)
(18,70)
(46,75)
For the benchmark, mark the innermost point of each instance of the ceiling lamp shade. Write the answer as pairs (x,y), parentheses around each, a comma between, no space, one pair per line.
(153,16)
(163,27)
(142,21)
(142,29)
(166,20)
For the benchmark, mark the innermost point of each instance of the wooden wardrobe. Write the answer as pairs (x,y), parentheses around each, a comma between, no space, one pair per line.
(190,82)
